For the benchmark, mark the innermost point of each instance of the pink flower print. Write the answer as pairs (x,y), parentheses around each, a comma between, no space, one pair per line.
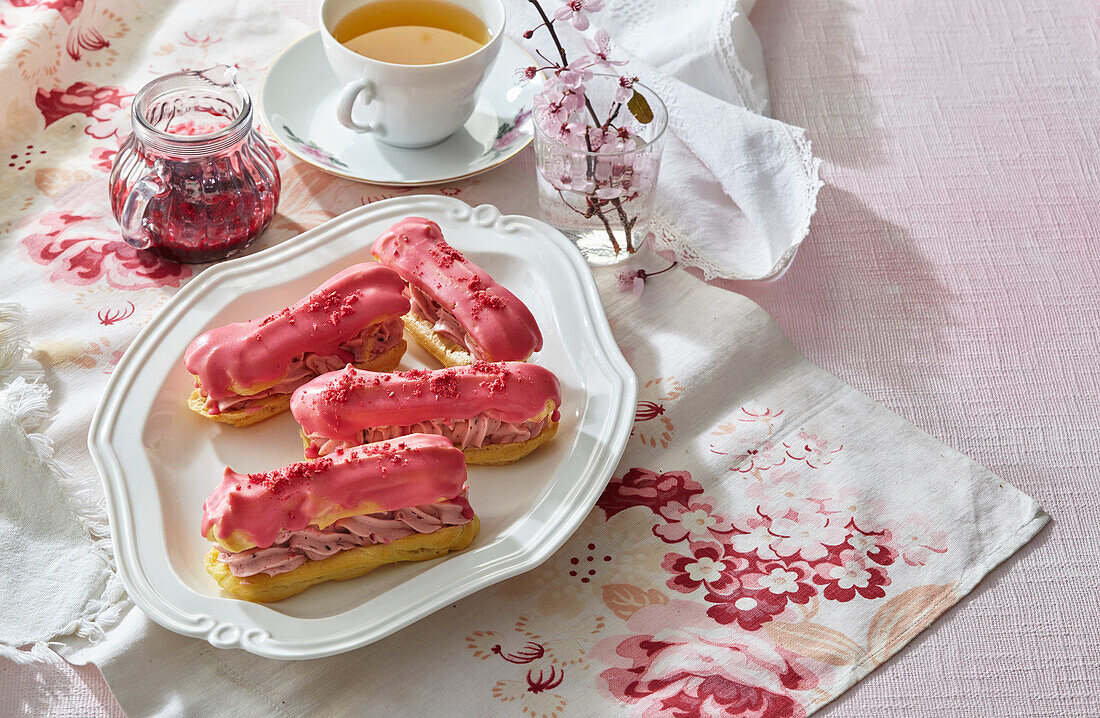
(704,567)
(807,536)
(815,451)
(642,487)
(696,522)
(699,668)
(917,541)
(851,505)
(575,11)
(103,158)
(780,495)
(754,537)
(759,455)
(875,546)
(848,574)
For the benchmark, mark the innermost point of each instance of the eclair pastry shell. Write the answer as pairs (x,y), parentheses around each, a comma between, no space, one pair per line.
(345,565)
(279,403)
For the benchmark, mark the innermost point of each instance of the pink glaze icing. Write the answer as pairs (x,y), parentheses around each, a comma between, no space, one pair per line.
(500,324)
(339,405)
(293,548)
(260,351)
(414,470)
(375,340)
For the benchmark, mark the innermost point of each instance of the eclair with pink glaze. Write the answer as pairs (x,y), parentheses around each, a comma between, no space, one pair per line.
(459,313)
(496,413)
(279,532)
(245,372)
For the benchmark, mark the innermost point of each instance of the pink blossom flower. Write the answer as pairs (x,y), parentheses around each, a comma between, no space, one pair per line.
(675,661)
(625,89)
(697,521)
(576,73)
(631,281)
(807,536)
(575,11)
(526,74)
(600,47)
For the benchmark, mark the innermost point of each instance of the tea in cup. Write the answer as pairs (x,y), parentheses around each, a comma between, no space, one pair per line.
(414,67)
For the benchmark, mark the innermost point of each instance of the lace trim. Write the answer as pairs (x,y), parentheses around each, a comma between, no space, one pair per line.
(25,397)
(742,78)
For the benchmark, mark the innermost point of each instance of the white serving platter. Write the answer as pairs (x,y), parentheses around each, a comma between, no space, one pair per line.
(159,461)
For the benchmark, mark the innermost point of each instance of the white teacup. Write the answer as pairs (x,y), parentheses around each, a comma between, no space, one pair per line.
(410,105)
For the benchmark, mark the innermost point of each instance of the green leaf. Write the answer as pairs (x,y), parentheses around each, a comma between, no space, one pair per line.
(639,107)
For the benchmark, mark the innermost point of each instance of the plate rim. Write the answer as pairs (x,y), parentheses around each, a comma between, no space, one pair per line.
(246,633)
(268,125)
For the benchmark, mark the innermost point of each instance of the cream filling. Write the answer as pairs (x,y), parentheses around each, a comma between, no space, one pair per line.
(293,548)
(475,432)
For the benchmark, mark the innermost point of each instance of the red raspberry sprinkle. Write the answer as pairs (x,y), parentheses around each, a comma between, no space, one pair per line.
(445,255)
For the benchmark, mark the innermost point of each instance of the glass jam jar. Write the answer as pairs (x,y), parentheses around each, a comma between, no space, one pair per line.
(194,182)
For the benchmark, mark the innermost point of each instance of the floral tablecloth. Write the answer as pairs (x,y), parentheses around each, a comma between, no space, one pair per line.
(770,537)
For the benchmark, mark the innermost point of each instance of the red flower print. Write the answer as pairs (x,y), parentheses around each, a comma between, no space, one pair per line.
(106,106)
(82,247)
(83,39)
(642,487)
(704,567)
(875,546)
(847,574)
(748,609)
(785,580)
(696,521)
(69,9)
(700,668)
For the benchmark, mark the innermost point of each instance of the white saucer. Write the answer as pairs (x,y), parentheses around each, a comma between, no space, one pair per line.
(297,105)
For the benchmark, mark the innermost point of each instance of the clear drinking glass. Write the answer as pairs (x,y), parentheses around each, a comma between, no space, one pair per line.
(602,200)
(194,182)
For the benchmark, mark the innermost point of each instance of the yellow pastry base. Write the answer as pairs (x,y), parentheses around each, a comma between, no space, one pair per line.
(500,454)
(279,403)
(345,565)
(440,347)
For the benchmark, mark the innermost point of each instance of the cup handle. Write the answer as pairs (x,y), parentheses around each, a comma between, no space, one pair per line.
(344,104)
(133,210)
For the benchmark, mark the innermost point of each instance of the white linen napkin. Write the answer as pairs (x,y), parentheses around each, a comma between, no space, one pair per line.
(51,529)
(736,189)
